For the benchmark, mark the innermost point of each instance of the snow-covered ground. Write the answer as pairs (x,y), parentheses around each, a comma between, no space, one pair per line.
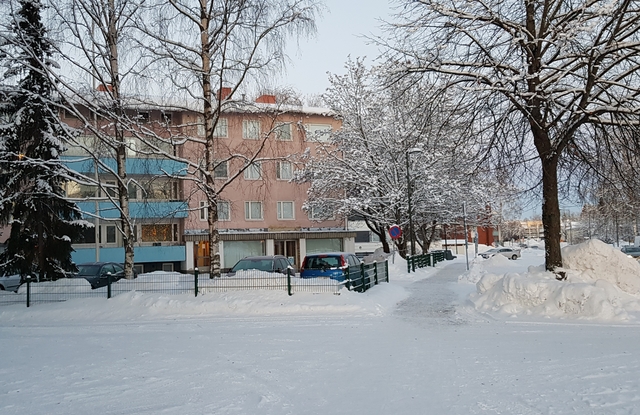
(503,338)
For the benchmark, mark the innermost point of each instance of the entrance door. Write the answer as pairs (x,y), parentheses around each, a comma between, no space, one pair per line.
(201,255)
(288,249)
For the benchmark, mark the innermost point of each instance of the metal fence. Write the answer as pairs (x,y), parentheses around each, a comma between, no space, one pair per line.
(430,259)
(358,279)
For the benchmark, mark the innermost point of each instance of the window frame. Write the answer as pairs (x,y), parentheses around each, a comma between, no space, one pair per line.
(280,210)
(226,170)
(251,127)
(314,135)
(222,218)
(279,170)
(221,126)
(278,131)
(204,210)
(256,166)
(247,210)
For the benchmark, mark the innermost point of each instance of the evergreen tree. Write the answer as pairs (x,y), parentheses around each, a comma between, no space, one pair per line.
(42,223)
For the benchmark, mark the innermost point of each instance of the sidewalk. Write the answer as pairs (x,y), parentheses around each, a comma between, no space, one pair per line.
(434,300)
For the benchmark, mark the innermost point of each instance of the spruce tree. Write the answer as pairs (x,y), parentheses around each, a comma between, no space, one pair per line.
(42,222)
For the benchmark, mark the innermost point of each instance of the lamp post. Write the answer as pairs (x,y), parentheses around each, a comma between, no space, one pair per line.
(409,194)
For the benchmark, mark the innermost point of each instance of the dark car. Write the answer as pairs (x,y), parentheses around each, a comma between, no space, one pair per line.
(10,283)
(267,263)
(97,273)
(333,265)
(631,251)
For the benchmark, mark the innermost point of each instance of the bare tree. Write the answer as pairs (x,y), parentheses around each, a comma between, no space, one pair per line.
(535,74)
(207,53)
(95,33)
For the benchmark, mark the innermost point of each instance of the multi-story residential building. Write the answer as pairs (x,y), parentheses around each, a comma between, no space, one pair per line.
(260,211)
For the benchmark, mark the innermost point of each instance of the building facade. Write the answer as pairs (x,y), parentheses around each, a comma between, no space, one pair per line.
(261,210)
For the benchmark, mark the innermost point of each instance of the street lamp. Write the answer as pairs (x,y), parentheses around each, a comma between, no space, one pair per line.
(409,194)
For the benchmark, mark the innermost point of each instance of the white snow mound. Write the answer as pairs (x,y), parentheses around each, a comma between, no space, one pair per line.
(602,284)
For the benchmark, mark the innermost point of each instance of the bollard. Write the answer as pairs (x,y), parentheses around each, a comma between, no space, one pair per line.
(108,284)
(289,281)
(375,272)
(195,280)
(28,290)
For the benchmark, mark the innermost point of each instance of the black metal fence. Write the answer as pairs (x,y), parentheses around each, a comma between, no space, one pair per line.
(358,279)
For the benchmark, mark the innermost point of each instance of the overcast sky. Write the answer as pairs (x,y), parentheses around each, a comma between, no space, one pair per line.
(340,33)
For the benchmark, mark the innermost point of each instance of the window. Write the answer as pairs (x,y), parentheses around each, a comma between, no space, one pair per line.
(251,129)
(168,118)
(222,128)
(161,189)
(111,234)
(224,212)
(158,233)
(132,146)
(253,172)
(284,170)
(318,132)
(285,211)
(253,210)
(109,188)
(283,132)
(76,190)
(143,116)
(132,190)
(221,171)
(320,213)
(204,212)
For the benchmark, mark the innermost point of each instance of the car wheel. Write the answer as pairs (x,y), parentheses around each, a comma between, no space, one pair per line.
(514,257)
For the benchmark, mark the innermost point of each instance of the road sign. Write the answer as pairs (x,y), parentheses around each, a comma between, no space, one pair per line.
(395,232)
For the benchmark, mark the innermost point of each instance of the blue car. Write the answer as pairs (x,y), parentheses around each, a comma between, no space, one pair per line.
(334,265)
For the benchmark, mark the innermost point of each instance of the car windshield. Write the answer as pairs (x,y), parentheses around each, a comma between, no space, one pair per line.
(491,251)
(632,249)
(259,264)
(323,262)
(88,269)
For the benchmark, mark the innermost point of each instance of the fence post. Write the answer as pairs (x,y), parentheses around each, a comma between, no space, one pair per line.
(108,284)
(375,272)
(289,281)
(386,269)
(348,278)
(409,264)
(433,259)
(363,275)
(28,290)
(195,280)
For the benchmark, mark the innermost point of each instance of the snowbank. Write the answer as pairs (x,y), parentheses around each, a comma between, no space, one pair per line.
(602,284)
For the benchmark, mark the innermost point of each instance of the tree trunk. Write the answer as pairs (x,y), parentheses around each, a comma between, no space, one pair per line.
(551,213)
(121,149)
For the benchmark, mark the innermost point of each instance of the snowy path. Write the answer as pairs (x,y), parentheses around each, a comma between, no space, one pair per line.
(434,300)
(432,355)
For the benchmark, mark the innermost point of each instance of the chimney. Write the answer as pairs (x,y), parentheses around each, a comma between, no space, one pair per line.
(105,88)
(266,99)
(223,93)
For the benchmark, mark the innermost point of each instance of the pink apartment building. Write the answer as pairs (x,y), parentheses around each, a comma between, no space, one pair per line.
(261,212)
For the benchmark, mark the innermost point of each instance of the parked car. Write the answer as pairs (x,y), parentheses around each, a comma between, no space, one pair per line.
(268,263)
(333,265)
(10,283)
(631,251)
(511,253)
(96,273)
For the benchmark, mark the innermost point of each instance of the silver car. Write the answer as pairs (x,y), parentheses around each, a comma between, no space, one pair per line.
(511,253)
(10,283)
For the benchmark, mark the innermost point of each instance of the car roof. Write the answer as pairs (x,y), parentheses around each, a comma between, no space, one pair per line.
(330,254)
(264,257)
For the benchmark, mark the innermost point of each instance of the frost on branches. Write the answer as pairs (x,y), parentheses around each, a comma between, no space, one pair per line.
(545,82)
(363,171)
(42,223)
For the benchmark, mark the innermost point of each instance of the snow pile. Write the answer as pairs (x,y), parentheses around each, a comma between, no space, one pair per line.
(480,267)
(602,284)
